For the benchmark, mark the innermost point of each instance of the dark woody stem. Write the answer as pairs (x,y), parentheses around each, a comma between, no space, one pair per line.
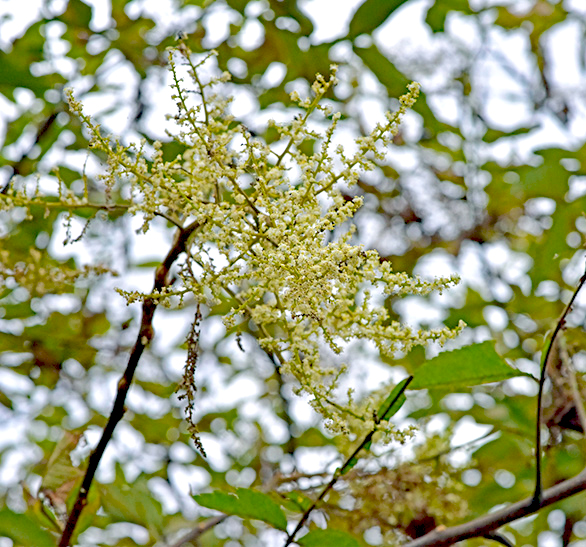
(559,326)
(145,335)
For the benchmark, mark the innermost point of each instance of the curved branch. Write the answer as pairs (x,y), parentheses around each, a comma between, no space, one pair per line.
(559,326)
(487,523)
(145,335)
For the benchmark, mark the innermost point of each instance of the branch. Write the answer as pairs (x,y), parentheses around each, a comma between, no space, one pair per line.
(484,526)
(145,335)
(487,523)
(560,325)
(202,527)
(493,536)
(41,130)
(348,464)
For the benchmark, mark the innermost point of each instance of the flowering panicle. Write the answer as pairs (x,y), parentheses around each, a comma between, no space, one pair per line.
(40,274)
(270,238)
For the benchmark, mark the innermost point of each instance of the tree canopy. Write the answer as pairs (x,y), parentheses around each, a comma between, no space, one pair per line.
(266,282)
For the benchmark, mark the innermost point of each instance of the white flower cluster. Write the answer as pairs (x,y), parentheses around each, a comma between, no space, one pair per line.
(269,239)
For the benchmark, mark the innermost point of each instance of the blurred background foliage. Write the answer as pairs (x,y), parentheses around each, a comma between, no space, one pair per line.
(485,179)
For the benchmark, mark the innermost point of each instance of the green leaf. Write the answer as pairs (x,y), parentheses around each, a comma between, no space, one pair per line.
(132,503)
(16,65)
(385,71)
(19,310)
(148,264)
(437,13)
(493,135)
(295,501)
(60,473)
(347,466)
(391,406)
(77,14)
(245,503)
(262,505)
(24,530)
(238,5)
(328,538)
(467,366)
(370,15)
(551,248)
(220,501)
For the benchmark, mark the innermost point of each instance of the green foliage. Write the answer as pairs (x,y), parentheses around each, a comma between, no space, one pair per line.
(468,366)
(477,197)
(328,538)
(438,12)
(246,504)
(132,504)
(370,15)
(23,529)
(392,404)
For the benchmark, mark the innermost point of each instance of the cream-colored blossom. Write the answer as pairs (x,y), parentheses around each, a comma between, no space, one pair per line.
(266,242)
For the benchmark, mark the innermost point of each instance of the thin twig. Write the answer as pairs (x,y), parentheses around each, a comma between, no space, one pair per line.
(493,536)
(278,478)
(560,325)
(41,131)
(340,471)
(145,335)
(451,449)
(487,523)
(202,527)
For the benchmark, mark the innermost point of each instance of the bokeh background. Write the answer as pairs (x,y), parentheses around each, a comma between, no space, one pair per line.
(486,179)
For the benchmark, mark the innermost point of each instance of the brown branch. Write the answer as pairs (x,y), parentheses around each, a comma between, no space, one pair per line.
(202,527)
(41,130)
(559,326)
(487,523)
(145,335)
